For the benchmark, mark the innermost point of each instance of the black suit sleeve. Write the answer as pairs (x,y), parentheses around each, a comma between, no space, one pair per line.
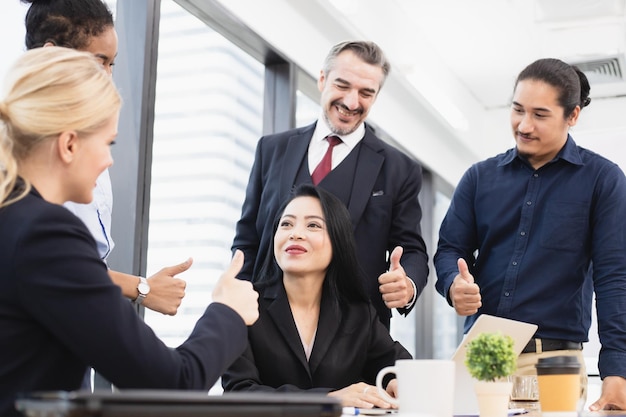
(246,235)
(406,230)
(65,289)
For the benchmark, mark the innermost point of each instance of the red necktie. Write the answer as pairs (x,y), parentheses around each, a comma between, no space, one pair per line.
(325,164)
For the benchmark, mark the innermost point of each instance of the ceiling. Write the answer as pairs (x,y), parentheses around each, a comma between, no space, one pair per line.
(493,40)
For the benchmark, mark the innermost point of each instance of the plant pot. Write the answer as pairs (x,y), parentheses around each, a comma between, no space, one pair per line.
(493,398)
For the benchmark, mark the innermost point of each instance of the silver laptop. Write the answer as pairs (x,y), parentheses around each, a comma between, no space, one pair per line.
(465,402)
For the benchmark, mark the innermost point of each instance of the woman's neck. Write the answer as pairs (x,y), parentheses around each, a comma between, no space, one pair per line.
(303,291)
(45,172)
(305,296)
(46,185)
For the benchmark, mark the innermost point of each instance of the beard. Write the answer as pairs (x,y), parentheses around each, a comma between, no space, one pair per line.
(339,131)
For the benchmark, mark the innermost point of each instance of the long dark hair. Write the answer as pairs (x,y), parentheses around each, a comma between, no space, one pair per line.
(68,23)
(570,82)
(344,276)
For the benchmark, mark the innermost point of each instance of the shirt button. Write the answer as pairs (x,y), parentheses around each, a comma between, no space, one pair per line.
(528,203)
(506,294)
(523,233)
(514,262)
(536,175)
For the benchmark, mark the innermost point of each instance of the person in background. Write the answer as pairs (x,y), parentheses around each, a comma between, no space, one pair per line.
(532,232)
(59,309)
(87,25)
(317,330)
(376,182)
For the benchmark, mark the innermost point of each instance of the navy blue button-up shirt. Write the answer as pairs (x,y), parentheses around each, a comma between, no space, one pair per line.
(538,242)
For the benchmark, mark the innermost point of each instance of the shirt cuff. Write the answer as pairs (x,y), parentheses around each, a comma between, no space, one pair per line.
(410,303)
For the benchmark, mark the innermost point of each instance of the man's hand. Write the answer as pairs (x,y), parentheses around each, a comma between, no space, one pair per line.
(236,293)
(395,287)
(167,291)
(464,293)
(613,395)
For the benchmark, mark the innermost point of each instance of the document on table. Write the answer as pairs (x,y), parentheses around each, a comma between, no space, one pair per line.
(353,411)
(512,412)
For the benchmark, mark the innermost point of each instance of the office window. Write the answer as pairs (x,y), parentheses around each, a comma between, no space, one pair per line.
(446,328)
(307,109)
(208,118)
(112,4)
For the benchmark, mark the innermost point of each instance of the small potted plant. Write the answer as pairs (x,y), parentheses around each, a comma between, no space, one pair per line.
(490,358)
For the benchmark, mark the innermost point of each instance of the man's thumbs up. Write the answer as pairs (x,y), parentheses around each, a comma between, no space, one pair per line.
(464,271)
(394,258)
(464,293)
(396,288)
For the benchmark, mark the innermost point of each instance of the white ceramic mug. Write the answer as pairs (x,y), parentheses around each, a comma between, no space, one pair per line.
(425,386)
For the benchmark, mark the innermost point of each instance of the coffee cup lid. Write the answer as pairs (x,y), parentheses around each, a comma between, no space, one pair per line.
(558,365)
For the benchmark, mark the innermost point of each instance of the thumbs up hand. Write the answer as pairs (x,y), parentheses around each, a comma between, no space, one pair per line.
(464,293)
(395,286)
(236,293)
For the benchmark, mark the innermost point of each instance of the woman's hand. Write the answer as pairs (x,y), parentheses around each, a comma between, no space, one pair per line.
(392,388)
(362,395)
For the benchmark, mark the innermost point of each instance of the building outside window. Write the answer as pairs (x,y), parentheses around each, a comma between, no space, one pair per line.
(208,118)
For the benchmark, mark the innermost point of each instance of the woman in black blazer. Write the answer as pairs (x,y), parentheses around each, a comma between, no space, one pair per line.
(316,331)
(59,309)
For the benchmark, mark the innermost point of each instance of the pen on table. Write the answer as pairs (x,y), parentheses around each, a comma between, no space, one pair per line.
(350,411)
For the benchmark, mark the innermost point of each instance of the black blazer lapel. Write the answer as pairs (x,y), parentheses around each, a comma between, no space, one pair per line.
(280,312)
(368,167)
(327,327)
(297,147)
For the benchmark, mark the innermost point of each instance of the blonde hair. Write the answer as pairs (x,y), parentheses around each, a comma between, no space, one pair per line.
(46,92)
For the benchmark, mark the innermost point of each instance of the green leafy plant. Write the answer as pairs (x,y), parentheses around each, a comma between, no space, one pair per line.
(490,356)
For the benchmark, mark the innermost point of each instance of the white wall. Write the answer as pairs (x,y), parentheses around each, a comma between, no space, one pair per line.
(11,32)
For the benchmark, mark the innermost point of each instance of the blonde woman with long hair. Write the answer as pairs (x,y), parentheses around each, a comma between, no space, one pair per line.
(59,310)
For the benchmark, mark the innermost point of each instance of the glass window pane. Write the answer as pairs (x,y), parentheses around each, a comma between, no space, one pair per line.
(445,319)
(208,118)
(112,4)
(307,109)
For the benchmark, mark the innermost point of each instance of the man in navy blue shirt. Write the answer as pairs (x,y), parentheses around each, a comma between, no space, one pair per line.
(531,233)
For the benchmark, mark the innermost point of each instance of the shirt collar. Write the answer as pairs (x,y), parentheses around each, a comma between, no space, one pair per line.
(322,130)
(569,153)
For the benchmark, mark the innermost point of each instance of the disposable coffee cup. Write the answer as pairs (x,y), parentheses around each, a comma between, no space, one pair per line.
(558,378)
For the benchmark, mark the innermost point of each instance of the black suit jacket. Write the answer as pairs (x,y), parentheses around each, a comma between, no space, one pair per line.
(383,204)
(351,345)
(60,311)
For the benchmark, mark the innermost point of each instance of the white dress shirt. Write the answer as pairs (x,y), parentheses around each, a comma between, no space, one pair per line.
(318,144)
(97,214)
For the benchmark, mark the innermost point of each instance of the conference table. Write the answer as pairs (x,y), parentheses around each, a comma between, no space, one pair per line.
(172,403)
